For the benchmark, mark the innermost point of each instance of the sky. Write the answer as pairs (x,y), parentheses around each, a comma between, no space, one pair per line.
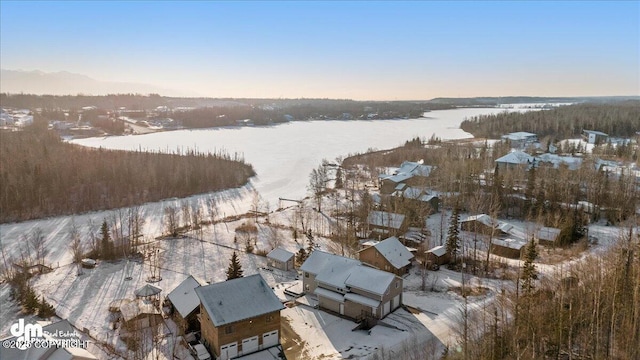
(363,50)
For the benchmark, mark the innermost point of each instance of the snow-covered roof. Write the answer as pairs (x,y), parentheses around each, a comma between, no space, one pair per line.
(509,243)
(516,157)
(595,132)
(519,136)
(329,294)
(385,219)
(320,260)
(238,299)
(369,279)
(147,290)
(336,274)
(481,218)
(134,308)
(547,233)
(396,253)
(360,299)
(573,163)
(438,250)
(280,254)
(414,168)
(184,297)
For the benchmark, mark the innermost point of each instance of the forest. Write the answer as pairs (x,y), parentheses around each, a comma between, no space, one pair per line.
(618,119)
(43,176)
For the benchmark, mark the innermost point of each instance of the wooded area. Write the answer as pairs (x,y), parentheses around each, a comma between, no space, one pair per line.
(43,176)
(620,119)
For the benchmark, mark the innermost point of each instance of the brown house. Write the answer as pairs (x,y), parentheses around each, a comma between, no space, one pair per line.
(384,224)
(185,304)
(436,256)
(388,255)
(239,317)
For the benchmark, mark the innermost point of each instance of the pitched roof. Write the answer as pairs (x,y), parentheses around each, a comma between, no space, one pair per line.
(320,260)
(184,297)
(509,243)
(396,253)
(385,219)
(595,132)
(438,250)
(369,279)
(547,233)
(238,299)
(280,254)
(147,290)
(516,157)
(519,136)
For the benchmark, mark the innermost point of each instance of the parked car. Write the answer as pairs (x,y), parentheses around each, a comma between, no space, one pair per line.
(200,352)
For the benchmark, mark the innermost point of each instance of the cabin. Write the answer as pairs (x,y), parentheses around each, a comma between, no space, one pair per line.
(349,288)
(282,259)
(239,317)
(594,137)
(515,160)
(486,225)
(388,255)
(547,236)
(509,248)
(185,305)
(384,224)
(409,173)
(436,256)
(417,198)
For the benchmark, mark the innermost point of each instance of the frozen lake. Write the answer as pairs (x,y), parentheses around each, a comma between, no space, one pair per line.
(283,155)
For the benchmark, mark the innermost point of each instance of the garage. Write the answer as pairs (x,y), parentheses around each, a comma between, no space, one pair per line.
(228,351)
(385,309)
(270,339)
(250,345)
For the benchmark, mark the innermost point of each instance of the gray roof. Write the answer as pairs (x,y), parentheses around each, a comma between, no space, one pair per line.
(320,260)
(396,253)
(385,219)
(438,250)
(509,243)
(547,233)
(147,290)
(280,254)
(595,132)
(516,157)
(414,168)
(369,279)
(573,163)
(238,299)
(519,136)
(184,297)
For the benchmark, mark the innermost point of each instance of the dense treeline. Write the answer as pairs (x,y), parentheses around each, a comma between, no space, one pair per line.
(616,119)
(43,176)
(226,116)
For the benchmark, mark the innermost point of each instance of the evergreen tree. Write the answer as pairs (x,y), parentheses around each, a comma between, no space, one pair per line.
(453,237)
(45,310)
(235,269)
(529,273)
(528,192)
(301,256)
(30,301)
(106,240)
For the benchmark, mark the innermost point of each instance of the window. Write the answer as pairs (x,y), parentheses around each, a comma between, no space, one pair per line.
(269,318)
(228,330)
(397,284)
(306,274)
(376,254)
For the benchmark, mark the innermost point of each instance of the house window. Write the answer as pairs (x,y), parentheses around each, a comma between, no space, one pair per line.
(228,330)
(269,318)
(376,254)
(306,274)
(397,284)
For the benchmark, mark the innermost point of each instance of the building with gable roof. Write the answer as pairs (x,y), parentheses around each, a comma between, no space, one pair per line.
(410,173)
(185,304)
(349,288)
(520,139)
(239,316)
(281,259)
(388,255)
(515,159)
(384,224)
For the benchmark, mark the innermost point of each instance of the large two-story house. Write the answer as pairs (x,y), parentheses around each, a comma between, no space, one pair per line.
(348,287)
(239,317)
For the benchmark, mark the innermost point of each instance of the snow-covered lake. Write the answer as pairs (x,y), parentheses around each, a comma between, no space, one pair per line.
(283,155)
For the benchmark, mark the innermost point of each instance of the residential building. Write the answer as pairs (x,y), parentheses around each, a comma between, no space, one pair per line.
(349,288)
(521,139)
(239,317)
(594,137)
(281,259)
(410,173)
(437,255)
(185,304)
(383,224)
(388,255)
(510,248)
(547,235)
(417,197)
(515,159)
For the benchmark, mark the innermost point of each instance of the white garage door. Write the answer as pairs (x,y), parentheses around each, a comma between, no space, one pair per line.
(385,309)
(396,302)
(249,345)
(270,339)
(228,351)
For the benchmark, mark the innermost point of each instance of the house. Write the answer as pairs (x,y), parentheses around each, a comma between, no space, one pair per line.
(510,248)
(520,140)
(239,317)
(437,256)
(486,225)
(185,304)
(72,347)
(349,288)
(385,224)
(388,255)
(594,137)
(418,197)
(556,161)
(140,314)
(547,235)
(515,159)
(281,259)
(411,173)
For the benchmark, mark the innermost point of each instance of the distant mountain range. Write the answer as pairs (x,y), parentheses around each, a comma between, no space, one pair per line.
(66,83)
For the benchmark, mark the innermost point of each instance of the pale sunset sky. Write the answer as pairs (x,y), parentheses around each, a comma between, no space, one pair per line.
(372,50)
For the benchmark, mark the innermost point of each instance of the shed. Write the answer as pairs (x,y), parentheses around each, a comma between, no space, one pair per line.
(509,248)
(281,259)
(437,256)
(185,303)
(547,235)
